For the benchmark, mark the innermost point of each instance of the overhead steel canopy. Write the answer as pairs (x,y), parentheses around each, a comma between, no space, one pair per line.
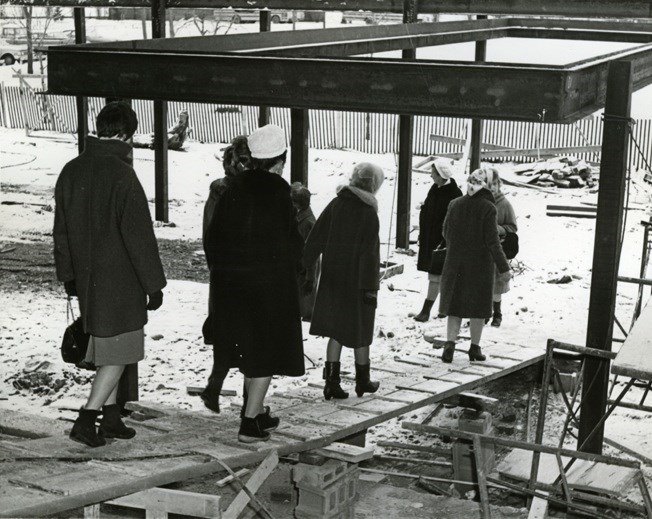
(578,8)
(289,69)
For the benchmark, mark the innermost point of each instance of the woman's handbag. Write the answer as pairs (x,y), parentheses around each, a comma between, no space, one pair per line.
(437,259)
(75,341)
(510,245)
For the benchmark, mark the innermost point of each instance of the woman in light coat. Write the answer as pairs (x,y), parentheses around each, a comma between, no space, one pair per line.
(506,220)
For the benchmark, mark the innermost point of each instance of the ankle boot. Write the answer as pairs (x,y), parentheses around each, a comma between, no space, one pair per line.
(84,431)
(211,394)
(449,351)
(251,431)
(498,316)
(363,382)
(424,314)
(475,353)
(112,426)
(332,388)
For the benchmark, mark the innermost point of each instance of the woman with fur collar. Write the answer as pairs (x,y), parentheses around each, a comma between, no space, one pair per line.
(346,237)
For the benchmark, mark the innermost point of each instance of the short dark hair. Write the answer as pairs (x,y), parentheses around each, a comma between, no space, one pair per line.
(268,164)
(116,118)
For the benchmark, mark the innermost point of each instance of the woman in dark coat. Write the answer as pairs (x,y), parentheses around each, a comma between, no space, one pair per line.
(346,236)
(254,248)
(473,248)
(431,222)
(308,276)
(106,253)
(236,159)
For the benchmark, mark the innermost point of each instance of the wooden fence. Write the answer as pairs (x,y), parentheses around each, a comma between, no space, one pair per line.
(369,133)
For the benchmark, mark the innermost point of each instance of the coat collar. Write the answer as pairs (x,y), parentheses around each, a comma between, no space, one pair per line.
(361,194)
(486,194)
(115,147)
(499,198)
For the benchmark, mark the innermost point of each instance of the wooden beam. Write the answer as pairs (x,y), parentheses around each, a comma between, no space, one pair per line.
(606,252)
(300,121)
(254,483)
(160,128)
(165,500)
(81,101)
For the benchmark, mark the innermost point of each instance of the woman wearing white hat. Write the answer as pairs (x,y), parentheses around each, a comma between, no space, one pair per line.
(256,253)
(431,222)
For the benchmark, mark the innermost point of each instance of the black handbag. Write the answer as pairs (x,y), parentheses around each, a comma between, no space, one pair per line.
(75,341)
(437,258)
(510,245)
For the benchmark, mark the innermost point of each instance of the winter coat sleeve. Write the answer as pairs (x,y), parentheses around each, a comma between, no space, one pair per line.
(506,219)
(491,240)
(138,236)
(369,264)
(211,208)
(62,258)
(316,242)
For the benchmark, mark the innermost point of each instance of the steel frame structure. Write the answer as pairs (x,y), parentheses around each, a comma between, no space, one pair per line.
(315,69)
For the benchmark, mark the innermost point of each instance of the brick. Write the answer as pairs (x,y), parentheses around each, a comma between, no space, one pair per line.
(331,501)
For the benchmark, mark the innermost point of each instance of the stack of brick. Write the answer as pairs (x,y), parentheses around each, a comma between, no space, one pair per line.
(326,491)
(464,467)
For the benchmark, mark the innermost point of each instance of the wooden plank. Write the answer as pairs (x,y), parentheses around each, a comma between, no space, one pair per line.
(230,478)
(600,477)
(516,465)
(254,483)
(346,452)
(634,359)
(431,386)
(571,214)
(24,425)
(538,508)
(172,502)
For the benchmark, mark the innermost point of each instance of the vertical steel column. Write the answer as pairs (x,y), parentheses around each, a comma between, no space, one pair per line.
(606,251)
(300,122)
(160,127)
(477,124)
(405,137)
(81,101)
(265,26)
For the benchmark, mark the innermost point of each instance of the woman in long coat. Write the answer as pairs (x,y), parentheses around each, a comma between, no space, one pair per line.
(346,236)
(473,248)
(431,223)
(506,220)
(255,250)
(236,159)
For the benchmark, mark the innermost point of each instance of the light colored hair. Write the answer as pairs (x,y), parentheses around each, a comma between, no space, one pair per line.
(367,176)
(493,178)
(478,176)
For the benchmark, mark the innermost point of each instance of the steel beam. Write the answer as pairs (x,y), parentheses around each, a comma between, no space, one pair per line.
(81,102)
(578,8)
(606,252)
(371,85)
(476,124)
(265,25)
(300,125)
(160,128)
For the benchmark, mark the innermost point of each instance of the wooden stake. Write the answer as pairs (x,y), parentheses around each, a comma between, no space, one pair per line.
(254,483)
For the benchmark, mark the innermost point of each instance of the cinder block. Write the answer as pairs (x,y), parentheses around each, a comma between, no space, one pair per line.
(331,501)
(569,382)
(474,422)
(319,475)
(464,466)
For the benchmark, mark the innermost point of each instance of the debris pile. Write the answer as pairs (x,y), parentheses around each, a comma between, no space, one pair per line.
(566,172)
(39,378)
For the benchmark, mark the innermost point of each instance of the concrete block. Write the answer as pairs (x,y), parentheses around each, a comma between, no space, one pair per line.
(474,422)
(318,476)
(332,500)
(569,383)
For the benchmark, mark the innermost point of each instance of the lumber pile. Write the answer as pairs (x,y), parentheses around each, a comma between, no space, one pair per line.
(564,172)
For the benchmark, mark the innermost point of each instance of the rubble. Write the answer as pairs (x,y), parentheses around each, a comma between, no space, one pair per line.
(564,172)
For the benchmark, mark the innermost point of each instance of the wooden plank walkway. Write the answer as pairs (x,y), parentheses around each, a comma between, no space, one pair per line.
(44,476)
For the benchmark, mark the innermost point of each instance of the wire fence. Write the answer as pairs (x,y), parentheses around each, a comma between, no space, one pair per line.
(366,132)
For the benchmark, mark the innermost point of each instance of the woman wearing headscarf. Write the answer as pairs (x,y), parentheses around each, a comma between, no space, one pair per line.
(255,248)
(346,237)
(473,247)
(506,220)
(236,159)
(431,222)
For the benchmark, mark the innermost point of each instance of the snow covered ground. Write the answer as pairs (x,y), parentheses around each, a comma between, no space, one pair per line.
(32,320)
